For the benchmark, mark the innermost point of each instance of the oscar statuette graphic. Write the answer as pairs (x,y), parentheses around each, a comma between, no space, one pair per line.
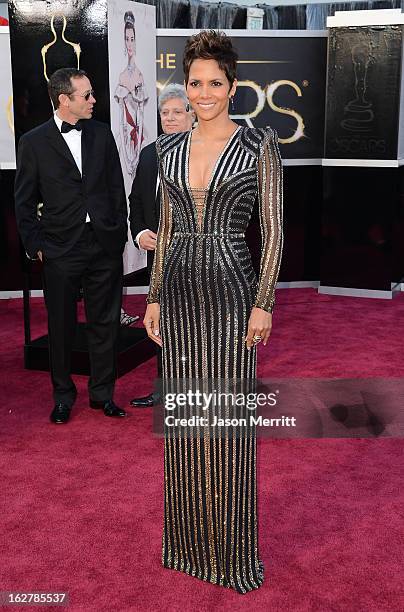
(363,92)
(45,48)
(358,112)
(9,113)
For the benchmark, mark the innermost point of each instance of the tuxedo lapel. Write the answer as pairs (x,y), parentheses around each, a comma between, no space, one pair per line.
(87,142)
(59,144)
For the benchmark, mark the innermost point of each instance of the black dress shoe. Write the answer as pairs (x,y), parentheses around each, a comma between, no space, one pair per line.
(109,407)
(144,402)
(60,413)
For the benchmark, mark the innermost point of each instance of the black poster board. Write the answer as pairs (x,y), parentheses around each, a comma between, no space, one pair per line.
(45,36)
(363,92)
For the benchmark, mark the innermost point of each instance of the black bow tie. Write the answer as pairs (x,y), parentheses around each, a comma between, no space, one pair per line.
(66,127)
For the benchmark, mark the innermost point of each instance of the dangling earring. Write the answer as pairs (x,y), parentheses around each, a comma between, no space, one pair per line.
(187,108)
(232,103)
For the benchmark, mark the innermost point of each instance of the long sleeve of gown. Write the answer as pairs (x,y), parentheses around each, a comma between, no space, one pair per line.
(162,243)
(270,198)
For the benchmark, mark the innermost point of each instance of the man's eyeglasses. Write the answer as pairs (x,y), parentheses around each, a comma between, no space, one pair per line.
(86,95)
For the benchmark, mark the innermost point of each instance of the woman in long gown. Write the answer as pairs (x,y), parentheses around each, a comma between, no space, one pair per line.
(208,311)
(131,96)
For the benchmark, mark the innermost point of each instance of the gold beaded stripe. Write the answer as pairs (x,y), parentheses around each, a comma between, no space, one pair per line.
(190,482)
(270,193)
(199,199)
(203,279)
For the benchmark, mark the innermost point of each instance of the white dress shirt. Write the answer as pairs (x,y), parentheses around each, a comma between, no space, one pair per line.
(73,141)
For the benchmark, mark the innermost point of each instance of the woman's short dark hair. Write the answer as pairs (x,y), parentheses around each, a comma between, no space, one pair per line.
(210,44)
(60,83)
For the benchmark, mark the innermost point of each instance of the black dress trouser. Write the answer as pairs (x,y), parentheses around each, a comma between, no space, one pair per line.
(89,266)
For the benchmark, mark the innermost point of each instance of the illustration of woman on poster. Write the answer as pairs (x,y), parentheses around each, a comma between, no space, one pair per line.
(131,96)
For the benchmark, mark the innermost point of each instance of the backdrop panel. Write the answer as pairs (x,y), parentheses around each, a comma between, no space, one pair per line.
(362,230)
(363,93)
(363,205)
(132,77)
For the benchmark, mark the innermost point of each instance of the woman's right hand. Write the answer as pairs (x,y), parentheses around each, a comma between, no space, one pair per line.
(151,322)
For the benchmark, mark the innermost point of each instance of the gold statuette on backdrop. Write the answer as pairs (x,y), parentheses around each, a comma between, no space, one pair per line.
(9,112)
(45,48)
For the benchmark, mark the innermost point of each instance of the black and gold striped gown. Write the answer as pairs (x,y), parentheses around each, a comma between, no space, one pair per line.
(206,286)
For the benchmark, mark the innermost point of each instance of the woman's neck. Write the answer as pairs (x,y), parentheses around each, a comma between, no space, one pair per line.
(221,126)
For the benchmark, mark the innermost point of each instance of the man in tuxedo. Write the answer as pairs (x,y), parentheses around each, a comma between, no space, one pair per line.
(176,116)
(71,165)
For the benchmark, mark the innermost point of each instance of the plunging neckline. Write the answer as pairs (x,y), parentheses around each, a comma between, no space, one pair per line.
(223,151)
(207,188)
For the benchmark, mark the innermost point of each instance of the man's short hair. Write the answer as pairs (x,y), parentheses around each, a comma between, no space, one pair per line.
(60,83)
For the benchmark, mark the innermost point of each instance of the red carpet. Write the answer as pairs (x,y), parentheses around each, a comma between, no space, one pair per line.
(81,504)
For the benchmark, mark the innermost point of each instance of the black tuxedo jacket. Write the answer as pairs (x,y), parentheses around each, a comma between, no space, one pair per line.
(47,173)
(144,205)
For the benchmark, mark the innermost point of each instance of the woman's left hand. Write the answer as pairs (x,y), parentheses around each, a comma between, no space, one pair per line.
(259,325)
